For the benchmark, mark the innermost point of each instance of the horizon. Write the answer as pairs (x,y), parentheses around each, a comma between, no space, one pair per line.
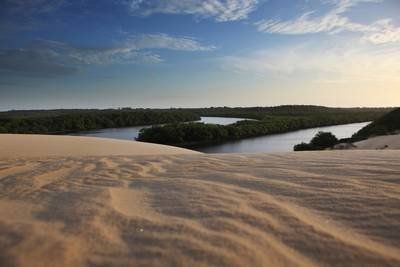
(196,107)
(64,54)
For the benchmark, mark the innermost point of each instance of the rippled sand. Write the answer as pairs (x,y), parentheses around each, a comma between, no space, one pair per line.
(339,208)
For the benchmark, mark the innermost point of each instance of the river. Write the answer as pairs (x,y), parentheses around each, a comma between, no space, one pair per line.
(270,143)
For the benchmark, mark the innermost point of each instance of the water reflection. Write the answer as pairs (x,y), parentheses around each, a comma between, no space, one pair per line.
(281,142)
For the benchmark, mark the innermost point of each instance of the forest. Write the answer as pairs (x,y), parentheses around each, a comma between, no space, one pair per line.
(67,121)
(259,113)
(266,120)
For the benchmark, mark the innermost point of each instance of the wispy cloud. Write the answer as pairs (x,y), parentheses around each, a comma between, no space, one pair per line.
(165,41)
(23,7)
(386,33)
(220,10)
(16,15)
(333,63)
(334,21)
(52,58)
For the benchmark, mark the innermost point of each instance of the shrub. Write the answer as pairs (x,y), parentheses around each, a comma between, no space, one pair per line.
(303,147)
(324,140)
(321,141)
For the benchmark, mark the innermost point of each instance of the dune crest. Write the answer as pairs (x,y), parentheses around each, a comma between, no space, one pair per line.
(296,209)
(28,145)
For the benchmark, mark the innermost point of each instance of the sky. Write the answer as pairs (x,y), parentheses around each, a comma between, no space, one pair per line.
(198,53)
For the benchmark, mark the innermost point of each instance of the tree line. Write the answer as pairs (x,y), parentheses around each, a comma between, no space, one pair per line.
(61,121)
(260,113)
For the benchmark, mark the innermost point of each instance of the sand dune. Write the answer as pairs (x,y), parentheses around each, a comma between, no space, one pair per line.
(380,142)
(336,208)
(25,145)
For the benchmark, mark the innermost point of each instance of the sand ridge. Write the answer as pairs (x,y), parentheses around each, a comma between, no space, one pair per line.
(297,209)
(29,145)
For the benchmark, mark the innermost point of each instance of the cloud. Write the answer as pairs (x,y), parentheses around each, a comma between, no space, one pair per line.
(165,41)
(17,15)
(220,10)
(31,7)
(52,58)
(32,63)
(334,21)
(387,33)
(337,63)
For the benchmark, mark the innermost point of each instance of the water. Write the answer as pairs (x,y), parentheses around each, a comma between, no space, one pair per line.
(271,143)
(220,120)
(281,142)
(130,133)
(126,133)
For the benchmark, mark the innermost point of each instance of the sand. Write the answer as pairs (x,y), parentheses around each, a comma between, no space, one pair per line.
(330,208)
(380,142)
(25,145)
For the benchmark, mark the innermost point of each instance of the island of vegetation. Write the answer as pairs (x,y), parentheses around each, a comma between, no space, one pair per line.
(269,121)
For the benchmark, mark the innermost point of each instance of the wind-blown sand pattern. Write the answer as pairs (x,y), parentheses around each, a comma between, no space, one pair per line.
(336,208)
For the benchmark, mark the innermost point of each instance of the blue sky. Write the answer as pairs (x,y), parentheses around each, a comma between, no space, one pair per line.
(177,53)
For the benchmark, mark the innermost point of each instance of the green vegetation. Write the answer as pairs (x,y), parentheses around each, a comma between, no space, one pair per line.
(185,134)
(388,124)
(321,141)
(198,134)
(65,121)
(261,113)
(270,120)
